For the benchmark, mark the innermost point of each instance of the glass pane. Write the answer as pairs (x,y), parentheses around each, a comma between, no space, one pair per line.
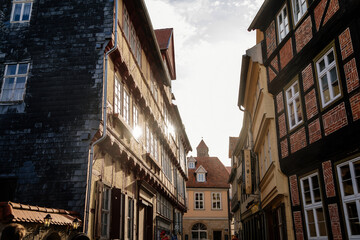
(26,13)
(9,83)
(298,109)
(18,94)
(23,68)
(17,12)
(330,57)
(346,180)
(321,221)
(6,95)
(11,70)
(194,235)
(296,88)
(292,114)
(311,223)
(202,235)
(289,94)
(20,82)
(353,218)
(334,82)
(316,188)
(321,65)
(325,89)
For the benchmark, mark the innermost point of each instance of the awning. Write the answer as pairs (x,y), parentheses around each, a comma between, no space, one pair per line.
(22,213)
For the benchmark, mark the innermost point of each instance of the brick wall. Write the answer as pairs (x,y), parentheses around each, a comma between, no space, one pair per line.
(275,63)
(303,34)
(280,102)
(284,148)
(286,54)
(335,221)
(355,106)
(346,46)
(307,77)
(311,104)
(298,140)
(272,74)
(294,190)
(270,36)
(319,11)
(314,131)
(328,179)
(334,119)
(282,125)
(351,75)
(298,226)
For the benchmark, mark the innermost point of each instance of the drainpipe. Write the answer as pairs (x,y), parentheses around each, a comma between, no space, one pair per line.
(91,161)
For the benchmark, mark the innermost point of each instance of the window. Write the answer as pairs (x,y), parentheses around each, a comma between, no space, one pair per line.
(164,207)
(314,211)
(199,232)
(216,201)
(14,83)
(328,78)
(21,11)
(282,23)
(130,34)
(199,201)
(166,163)
(200,177)
(105,212)
(135,118)
(293,105)
(130,219)
(118,94)
(299,8)
(191,165)
(349,177)
(126,107)
(280,223)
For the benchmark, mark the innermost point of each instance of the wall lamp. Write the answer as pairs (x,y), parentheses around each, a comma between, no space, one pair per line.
(47,220)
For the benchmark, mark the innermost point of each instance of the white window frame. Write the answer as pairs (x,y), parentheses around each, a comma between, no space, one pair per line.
(355,197)
(105,212)
(191,165)
(15,76)
(326,71)
(283,27)
(126,106)
(118,96)
(312,206)
(200,201)
(292,100)
(200,177)
(302,8)
(217,201)
(22,3)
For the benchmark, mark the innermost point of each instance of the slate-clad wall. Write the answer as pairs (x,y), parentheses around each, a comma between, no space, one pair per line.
(45,141)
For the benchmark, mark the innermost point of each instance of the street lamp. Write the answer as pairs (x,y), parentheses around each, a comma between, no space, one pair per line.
(47,220)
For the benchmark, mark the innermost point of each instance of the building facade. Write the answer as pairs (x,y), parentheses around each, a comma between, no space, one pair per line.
(311,55)
(261,203)
(207,190)
(87,118)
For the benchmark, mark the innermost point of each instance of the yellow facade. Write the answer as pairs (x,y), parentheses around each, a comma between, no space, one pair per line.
(135,165)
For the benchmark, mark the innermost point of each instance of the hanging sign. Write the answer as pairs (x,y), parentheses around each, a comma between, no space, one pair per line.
(247,160)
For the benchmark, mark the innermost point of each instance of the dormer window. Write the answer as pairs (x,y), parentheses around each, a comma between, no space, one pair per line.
(200,177)
(191,165)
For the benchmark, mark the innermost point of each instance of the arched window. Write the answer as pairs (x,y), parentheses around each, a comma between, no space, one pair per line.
(199,232)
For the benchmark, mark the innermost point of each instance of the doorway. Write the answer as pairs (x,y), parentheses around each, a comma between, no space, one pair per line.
(217,235)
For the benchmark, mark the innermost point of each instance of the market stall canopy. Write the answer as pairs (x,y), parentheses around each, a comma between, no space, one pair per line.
(16,212)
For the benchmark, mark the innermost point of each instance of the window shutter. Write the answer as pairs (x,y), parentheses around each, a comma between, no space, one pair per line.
(115,213)
(98,209)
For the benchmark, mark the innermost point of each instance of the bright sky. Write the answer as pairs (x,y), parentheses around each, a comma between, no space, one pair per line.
(210,38)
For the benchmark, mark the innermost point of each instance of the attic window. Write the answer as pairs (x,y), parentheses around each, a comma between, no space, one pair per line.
(200,177)
(191,165)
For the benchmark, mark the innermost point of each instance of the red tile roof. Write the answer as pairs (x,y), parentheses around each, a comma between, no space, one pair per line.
(202,145)
(217,175)
(163,37)
(16,212)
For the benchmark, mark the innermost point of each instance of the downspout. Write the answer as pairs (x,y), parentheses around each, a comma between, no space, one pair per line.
(91,161)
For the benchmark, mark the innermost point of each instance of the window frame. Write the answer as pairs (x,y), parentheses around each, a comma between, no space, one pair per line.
(200,177)
(216,201)
(105,212)
(200,201)
(191,165)
(295,17)
(326,71)
(355,197)
(22,2)
(313,206)
(15,77)
(292,100)
(130,219)
(286,27)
